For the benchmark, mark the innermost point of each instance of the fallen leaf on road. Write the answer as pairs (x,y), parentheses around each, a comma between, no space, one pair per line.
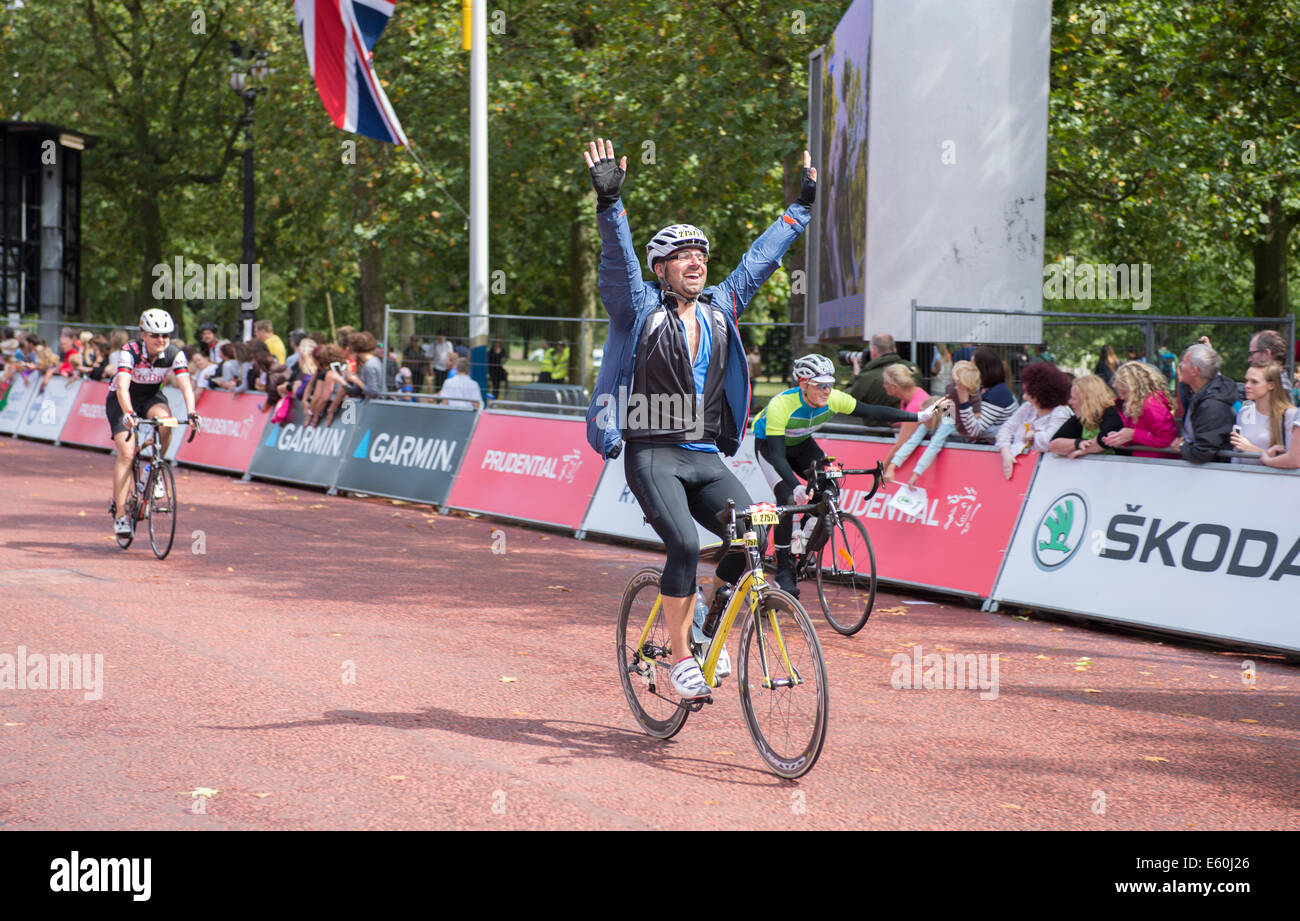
(560,587)
(395,777)
(81,514)
(13,724)
(724,753)
(1155,758)
(1019,617)
(1091,691)
(334,634)
(261,795)
(316,506)
(876,770)
(230,569)
(1042,657)
(200,791)
(1243,720)
(505,680)
(1010,806)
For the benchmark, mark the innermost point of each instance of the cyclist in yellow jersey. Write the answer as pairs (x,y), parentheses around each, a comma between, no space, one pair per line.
(784,444)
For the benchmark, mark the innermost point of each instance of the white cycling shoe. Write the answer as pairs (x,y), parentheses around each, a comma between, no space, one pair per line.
(122,527)
(688,680)
(159,489)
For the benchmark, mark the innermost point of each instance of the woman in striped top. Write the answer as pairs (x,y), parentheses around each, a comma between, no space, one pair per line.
(996,404)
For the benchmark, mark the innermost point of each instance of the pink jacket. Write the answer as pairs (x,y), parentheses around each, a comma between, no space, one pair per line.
(1155,427)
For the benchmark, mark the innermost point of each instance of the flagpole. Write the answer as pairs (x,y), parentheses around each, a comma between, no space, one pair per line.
(478,202)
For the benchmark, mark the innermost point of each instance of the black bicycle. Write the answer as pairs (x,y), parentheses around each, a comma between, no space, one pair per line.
(836,551)
(153,488)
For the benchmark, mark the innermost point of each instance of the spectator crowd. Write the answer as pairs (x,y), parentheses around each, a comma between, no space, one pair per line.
(315,370)
(1129,408)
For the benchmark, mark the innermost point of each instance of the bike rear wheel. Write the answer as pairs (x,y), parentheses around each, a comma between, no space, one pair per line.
(846,576)
(162,509)
(644,671)
(783,689)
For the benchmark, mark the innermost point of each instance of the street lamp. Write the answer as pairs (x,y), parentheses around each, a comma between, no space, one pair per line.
(247,63)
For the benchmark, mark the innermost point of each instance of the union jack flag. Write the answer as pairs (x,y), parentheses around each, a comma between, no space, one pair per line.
(339,35)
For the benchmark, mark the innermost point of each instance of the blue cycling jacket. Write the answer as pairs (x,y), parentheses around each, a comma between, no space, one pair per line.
(628,300)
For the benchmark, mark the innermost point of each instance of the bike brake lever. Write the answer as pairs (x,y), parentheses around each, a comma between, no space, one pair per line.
(877,477)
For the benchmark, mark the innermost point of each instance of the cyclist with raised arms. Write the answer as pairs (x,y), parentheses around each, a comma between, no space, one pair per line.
(674,346)
(137,385)
(784,444)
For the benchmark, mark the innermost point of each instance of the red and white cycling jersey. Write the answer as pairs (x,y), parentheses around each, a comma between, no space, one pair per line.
(147,375)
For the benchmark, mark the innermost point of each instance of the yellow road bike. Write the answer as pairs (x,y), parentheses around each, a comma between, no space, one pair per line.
(780,668)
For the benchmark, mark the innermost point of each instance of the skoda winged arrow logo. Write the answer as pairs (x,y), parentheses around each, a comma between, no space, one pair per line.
(1060,531)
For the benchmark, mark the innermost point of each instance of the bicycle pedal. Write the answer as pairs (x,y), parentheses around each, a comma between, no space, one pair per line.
(695,705)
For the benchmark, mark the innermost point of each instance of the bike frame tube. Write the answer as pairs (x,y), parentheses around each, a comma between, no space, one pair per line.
(645,631)
(745,591)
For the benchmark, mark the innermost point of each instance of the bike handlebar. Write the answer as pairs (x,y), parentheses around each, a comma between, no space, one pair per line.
(163,422)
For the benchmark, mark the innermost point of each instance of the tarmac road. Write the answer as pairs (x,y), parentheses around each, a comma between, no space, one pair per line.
(483,692)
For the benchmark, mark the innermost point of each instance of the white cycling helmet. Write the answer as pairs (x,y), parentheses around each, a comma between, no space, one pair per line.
(815,368)
(155,320)
(671,239)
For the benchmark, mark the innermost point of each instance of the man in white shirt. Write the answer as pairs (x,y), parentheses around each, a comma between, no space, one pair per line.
(444,357)
(462,385)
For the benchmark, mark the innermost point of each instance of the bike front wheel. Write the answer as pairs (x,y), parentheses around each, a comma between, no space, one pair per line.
(644,665)
(846,576)
(160,493)
(783,689)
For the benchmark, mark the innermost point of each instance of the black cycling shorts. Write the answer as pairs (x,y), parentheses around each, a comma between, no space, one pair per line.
(116,419)
(676,487)
(800,458)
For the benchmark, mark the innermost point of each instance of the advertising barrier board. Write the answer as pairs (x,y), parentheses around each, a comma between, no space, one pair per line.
(176,400)
(232,425)
(615,511)
(298,453)
(1204,550)
(406,451)
(46,412)
(15,408)
(87,423)
(958,542)
(530,467)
